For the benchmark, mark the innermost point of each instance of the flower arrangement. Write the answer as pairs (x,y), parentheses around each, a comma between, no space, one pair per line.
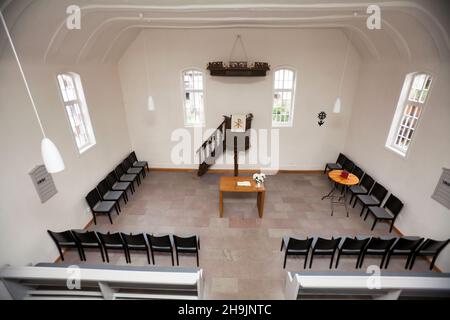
(259,178)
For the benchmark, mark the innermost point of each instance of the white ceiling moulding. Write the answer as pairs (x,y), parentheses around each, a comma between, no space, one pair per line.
(278,16)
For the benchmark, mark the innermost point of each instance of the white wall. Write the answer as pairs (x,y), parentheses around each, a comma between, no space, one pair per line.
(153,64)
(413,178)
(23,219)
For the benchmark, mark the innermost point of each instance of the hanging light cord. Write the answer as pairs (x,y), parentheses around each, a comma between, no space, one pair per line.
(238,38)
(22,73)
(345,62)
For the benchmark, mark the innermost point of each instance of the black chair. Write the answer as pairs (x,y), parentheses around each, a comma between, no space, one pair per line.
(136,163)
(325,247)
(98,206)
(379,247)
(160,244)
(109,195)
(430,248)
(404,247)
(336,166)
(136,242)
(124,177)
(113,241)
(348,165)
(186,245)
(88,240)
(388,212)
(64,240)
(116,185)
(296,247)
(373,199)
(352,247)
(364,187)
(129,169)
(357,171)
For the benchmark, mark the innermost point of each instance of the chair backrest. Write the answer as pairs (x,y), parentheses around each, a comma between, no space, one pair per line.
(110,238)
(367,182)
(378,192)
(358,172)
(133,157)
(327,244)
(93,198)
(434,246)
(119,171)
(134,239)
(341,159)
(354,244)
(185,242)
(86,237)
(380,244)
(348,165)
(111,179)
(62,237)
(103,187)
(393,204)
(407,244)
(125,165)
(159,241)
(298,244)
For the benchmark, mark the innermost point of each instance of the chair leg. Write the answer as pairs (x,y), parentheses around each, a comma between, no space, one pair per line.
(362,210)
(306,260)
(351,198)
(325,170)
(357,261)
(95,219)
(387,260)
(411,263)
(337,259)
(311,260)
(392,226)
(332,259)
(374,223)
(408,260)
(101,252)
(176,255)
(109,216)
(83,254)
(282,245)
(367,214)
(433,261)
(361,260)
(80,254)
(198,263)
(285,257)
(382,260)
(106,255)
(148,257)
(171,254)
(153,257)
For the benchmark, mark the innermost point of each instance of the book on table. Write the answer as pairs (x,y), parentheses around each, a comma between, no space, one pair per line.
(243,184)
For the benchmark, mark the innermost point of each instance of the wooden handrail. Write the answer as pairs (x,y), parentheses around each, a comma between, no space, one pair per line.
(209,140)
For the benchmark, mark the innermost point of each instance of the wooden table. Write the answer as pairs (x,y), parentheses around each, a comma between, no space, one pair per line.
(335,176)
(229,184)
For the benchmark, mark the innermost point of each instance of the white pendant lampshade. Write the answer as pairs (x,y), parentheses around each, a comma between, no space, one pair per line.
(150,104)
(337,105)
(51,156)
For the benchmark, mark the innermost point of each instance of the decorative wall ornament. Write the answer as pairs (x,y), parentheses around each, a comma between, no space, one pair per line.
(238,68)
(322,115)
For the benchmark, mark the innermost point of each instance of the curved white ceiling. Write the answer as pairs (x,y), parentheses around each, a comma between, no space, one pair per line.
(410,29)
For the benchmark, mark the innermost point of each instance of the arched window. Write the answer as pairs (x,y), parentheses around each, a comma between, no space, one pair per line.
(283,97)
(77,111)
(193,97)
(409,110)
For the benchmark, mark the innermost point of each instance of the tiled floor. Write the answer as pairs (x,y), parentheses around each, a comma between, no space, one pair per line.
(240,253)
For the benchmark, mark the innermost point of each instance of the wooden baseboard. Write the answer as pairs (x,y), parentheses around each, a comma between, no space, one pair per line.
(228,171)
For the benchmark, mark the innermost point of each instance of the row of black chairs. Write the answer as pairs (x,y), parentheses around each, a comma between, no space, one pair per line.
(361,246)
(369,193)
(149,243)
(106,196)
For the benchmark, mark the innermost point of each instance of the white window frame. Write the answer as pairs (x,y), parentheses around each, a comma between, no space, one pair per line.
(398,129)
(184,91)
(277,124)
(85,118)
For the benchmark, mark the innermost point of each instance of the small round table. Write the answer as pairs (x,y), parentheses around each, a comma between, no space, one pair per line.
(335,176)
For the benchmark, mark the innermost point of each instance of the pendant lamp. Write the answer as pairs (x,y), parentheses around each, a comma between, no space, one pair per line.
(337,103)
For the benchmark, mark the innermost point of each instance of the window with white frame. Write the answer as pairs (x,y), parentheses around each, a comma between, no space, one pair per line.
(409,110)
(77,110)
(193,96)
(283,97)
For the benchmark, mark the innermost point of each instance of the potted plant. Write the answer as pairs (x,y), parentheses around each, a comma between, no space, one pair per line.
(259,179)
